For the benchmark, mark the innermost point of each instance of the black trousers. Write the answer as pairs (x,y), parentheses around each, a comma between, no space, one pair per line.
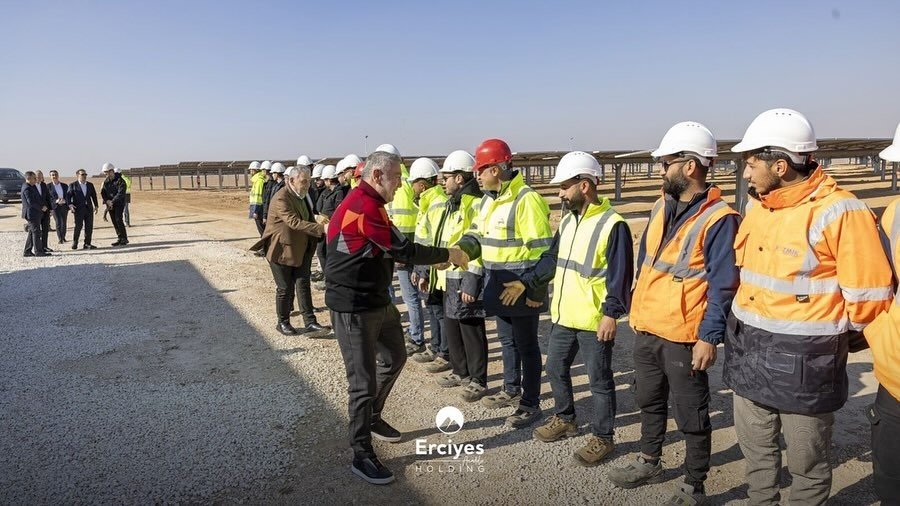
(374,353)
(303,290)
(661,367)
(885,418)
(320,252)
(84,219)
(118,220)
(287,278)
(260,226)
(61,215)
(33,242)
(467,340)
(45,229)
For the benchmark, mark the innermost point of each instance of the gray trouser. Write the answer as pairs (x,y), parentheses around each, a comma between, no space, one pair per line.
(808,441)
(374,352)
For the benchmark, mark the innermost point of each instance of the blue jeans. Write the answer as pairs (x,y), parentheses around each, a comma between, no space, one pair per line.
(521,357)
(413,303)
(597,356)
(439,344)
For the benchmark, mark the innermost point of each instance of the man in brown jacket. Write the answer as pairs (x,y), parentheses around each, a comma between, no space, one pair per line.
(290,242)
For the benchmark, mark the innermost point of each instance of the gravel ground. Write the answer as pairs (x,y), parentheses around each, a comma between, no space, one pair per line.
(154,374)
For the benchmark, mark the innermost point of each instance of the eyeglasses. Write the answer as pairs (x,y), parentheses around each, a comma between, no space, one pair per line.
(666,165)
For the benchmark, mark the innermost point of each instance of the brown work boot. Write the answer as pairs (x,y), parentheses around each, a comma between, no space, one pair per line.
(596,449)
(555,429)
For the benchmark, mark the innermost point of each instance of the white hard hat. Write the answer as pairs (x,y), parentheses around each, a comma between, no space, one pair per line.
(892,152)
(576,163)
(304,161)
(388,148)
(107,167)
(289,172)
(458,161)
(329,172)
(780,128)
(266,165)
(277,168)
(117,170)
(348,162)
(317,171)
(422,168)
(253,166)
(691,137)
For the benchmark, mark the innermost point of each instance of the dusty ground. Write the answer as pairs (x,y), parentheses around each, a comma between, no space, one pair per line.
(154,374)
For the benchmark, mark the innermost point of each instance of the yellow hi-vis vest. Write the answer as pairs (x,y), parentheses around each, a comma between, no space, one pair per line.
(127,183)
(402,210)
(514,228)
(579,285)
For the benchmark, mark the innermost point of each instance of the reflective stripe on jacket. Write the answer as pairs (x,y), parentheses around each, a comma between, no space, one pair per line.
(670,298)
(510,233)
(581,268)
(813,273)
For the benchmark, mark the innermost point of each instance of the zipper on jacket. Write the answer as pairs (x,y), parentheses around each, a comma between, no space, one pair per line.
(566,268)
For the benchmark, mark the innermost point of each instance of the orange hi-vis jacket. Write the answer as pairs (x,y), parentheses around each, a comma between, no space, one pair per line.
(813,271)
(883,334)
(670,298)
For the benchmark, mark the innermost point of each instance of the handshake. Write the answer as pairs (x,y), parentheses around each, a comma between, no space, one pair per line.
(458,258)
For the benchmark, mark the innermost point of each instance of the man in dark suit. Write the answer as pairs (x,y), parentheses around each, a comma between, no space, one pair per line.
(59,203)
(33,210)
(290,241)
(44,191)
(82,198)
(114,191)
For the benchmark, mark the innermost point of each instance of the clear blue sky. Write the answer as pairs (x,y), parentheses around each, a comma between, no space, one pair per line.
(151,82)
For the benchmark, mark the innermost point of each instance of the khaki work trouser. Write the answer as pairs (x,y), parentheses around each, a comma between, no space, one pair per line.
(808,441)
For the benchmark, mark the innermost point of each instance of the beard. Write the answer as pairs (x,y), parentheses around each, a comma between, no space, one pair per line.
(675,185)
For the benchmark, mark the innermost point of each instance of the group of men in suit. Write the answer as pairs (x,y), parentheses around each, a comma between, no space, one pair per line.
(40,200)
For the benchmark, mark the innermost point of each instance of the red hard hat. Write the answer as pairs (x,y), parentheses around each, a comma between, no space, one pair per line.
(359,168)
(491,152)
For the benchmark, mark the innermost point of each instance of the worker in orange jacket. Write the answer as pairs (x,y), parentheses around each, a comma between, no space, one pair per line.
(813,275)
(883,336)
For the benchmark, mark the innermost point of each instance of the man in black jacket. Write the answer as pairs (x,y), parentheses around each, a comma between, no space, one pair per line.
(82,198)
(44,192)
(114,191)
(59,203)
(34,208)
(271,188)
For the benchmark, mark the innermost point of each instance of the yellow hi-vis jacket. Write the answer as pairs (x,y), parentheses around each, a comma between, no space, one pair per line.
(403,210)
(883,334)
(510,234)
(256,189)
(428,224)
(579,285)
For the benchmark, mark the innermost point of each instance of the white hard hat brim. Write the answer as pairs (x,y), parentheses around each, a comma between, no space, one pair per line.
(744,146)
(890,153)
(559,178)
